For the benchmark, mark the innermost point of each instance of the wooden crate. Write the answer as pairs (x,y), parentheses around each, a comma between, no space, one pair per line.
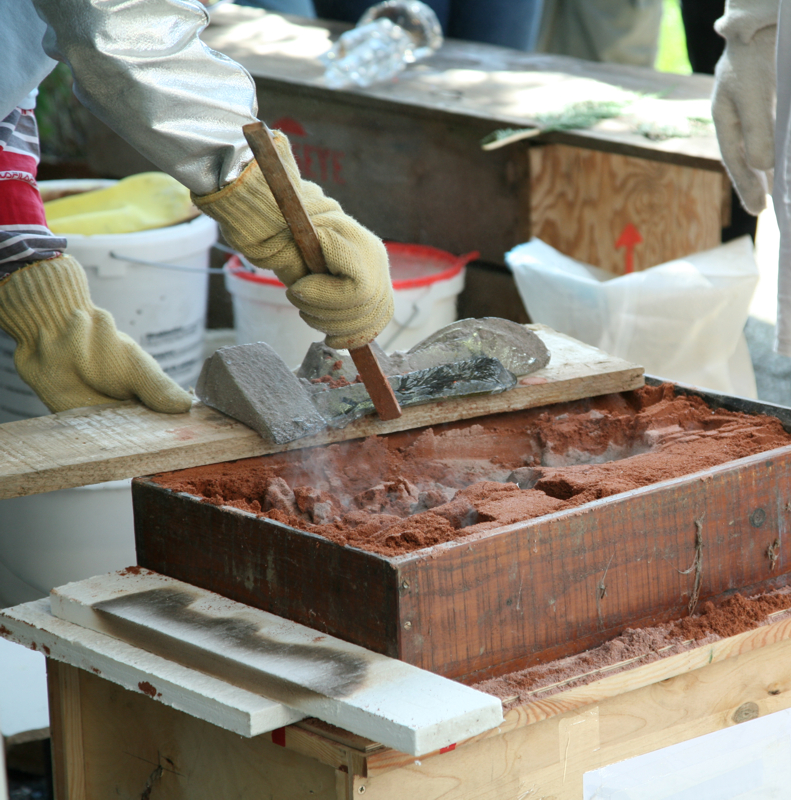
(512,597)
(109,741)
(405,157)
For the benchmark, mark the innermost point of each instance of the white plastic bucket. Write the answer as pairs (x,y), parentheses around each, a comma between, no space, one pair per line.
(426,283)
(51,539)
(163,308)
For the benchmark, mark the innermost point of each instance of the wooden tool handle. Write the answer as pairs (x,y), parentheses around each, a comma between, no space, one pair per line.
(261,142)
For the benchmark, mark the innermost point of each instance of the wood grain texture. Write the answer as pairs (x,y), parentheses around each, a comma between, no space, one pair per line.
(637,676)
(407,175)
(132,742)
(217,701)
(267,565)
(65,711)
(104,443)
(127,737)
(569,581)
(404,157)
(549,758)
(320,676)
(582,200)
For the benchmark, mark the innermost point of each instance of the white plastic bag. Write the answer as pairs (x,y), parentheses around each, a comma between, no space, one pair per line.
(682,320)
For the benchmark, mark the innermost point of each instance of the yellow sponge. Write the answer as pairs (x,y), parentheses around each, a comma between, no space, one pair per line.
(137,203)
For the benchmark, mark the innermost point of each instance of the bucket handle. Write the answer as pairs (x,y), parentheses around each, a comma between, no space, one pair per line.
(133,260)
(402,327)
(211,270)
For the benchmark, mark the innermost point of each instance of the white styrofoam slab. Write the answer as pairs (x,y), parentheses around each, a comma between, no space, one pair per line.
(749,761)
(369,694)
(202,696)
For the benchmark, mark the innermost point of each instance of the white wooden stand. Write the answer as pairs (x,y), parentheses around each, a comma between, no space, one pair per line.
(114,740)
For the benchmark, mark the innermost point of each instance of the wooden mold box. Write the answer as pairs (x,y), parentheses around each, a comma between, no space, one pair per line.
(513,596)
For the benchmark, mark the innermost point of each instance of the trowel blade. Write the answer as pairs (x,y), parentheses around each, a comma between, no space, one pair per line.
(481,375)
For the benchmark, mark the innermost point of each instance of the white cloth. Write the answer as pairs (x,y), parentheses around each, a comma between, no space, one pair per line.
(744,96)
(743,21)
(782,185)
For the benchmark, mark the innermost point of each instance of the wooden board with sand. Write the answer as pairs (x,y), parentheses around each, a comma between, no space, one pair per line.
(111,442)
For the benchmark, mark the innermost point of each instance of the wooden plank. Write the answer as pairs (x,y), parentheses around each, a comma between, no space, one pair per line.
(127,738)
(549,758)
(636,676)
(65,709)
(371,695)
(137,748)
(310,740)
(582,200)
(217,701)
(405,158)
(86,446)
(469,81)
(423,181)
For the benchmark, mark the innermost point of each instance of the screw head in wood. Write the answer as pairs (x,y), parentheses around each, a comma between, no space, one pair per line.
(407,624)
(361,790)
(405,585)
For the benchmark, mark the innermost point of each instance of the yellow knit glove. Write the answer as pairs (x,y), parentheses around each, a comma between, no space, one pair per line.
(353,303)
(69,351)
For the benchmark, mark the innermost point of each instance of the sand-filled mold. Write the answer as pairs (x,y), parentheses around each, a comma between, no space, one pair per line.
(405,491)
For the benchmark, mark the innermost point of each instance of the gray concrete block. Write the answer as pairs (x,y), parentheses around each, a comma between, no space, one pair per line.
(251,383)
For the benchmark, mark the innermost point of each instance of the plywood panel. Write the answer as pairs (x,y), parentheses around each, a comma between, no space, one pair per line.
(583,200)
(133,744)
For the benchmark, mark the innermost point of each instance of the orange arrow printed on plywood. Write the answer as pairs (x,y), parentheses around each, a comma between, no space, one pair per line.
(629,237)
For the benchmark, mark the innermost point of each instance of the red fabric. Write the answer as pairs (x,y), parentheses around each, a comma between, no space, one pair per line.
(20,202)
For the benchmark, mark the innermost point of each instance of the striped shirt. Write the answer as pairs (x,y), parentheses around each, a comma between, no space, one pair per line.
(24,235)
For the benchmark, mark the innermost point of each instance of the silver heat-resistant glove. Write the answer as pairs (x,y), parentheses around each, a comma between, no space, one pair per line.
(743,103)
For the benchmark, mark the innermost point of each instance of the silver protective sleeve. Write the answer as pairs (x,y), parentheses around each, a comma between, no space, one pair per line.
(140,67)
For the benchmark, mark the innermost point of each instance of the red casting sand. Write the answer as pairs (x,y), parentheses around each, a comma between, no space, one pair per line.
(406,491)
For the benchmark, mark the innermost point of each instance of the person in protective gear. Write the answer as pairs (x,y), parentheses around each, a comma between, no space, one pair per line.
(751,107)
(140,66)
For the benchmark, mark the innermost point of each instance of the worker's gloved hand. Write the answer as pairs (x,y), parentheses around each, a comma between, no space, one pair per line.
(352,304)
(69,351)
(743,103)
